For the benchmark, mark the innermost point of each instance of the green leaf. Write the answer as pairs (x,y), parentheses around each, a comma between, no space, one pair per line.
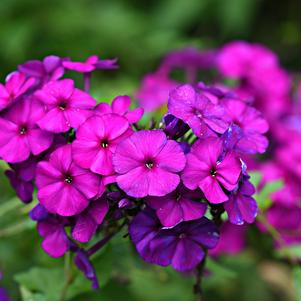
(255,178)
(27,295)
(293,251)
(296,281)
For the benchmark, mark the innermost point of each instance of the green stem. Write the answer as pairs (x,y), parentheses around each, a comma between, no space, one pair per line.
(68,275)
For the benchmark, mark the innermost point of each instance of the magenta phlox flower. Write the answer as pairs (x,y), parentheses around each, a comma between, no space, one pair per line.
(66,106)
(211,170)
(147,163)
(64,188)
(121,106)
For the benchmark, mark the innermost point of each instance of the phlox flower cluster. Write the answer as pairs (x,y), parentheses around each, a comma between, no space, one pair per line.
(96,170)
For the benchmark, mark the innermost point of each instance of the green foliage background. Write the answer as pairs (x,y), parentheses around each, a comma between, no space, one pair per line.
(138,33)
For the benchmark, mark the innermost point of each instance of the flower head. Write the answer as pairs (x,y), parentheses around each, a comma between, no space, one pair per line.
(19,134)
(147,163)
(211,170)
(66,106)
(16,85)
(181,247)
(96,142)
(63,187)
(197,111)
(180,205)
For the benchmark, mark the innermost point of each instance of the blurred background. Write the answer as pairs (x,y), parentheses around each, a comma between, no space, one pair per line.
(138,33)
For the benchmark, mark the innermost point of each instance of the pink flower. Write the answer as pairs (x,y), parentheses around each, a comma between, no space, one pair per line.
(210,170)
(16,85)
(66,106)
(92,63)
(147,163)
(63,187)
(121,106)
(96,141)
(19,134)
(197,111)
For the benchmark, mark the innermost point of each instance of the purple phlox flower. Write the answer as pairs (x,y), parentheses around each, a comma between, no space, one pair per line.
(174,127)
(66,106)
(86,223)
(232,240)
(147,163)
(154,91)
(197,111)
(231,137)
(63,187)
(241,206)
(24,189)
(3,295)
(189,58)
(83,263)
(96,142)
(16,85)
(253,126)
(120,106)
(211,170)
(180,205)
(92,63)
(21,176)
(38,213)
(19,134)
(55,242)
(182,247)
(49,69)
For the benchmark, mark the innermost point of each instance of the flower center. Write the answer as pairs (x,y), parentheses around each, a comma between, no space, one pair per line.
(149,164)
(213,172)
(68,179)
(104,143)
(62,105)
(23,130)
(182,235)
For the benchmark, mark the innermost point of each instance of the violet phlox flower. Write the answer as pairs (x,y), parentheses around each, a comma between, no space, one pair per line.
(92,63)
(49,69)
(87,222)
(55,240)
(121,106)
(66,106)
(63,187)
(211,170)
(241,206)
(180,205)
(15,86)
(96,142)
(251,123)
(182,247)
(147,163)
(197,111)
(20,135)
